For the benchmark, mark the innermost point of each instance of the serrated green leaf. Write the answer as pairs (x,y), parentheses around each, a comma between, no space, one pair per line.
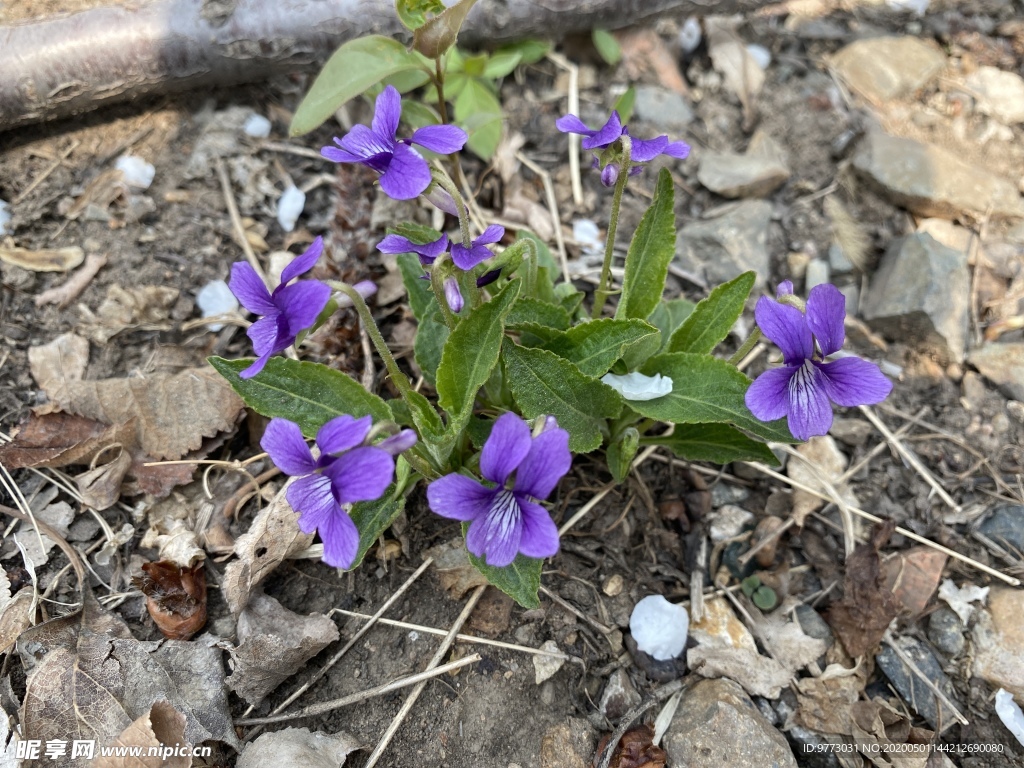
(306,393)
(650,252)
(478,111)
(431,336)
(520,579)
(718,443)
(372,518)
(532,311)
(353,68)
(428,422)
(470,354)
(607,46)
(595,346)
(544,383)
(705,390)
(440,33)
(569,298)
(713,317)
(502,64)
(668,316)
(625,103)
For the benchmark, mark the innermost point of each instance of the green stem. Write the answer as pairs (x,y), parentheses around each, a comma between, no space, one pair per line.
(604,287)
(752,339)
(437,275)
(400,379)
(445,182)
(442,107)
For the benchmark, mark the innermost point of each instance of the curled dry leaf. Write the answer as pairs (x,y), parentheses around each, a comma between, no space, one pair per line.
(59,516)
(145,307)
(785,639)
(913,576)
(16,613)
(175,597)
(298,746)
(273,644)
(172,531)
(162,726)
(47,260)
(63,294)
(635,750)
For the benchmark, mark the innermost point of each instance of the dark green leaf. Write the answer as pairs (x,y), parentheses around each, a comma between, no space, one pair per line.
(520,580)
(536,335)
(431,336)
(372,518)
(421,297)
(353,68)
(529,310)
(306,393)
(596,345)
(718,443)
(544,383)
(440,33)
(713,317)
(607,46)
(650,252)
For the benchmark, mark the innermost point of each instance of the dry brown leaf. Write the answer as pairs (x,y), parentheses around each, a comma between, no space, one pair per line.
(172,531)
(643,51)
(453,568)
(175,597)
(730,57)
(298,746)
(867,607)
(635,750)
(273,536)
(824,702)
(100,487)
(273,643)
(162,726)
(913,576)
(145,307)
(62,360)
(16,613)
(759,675)
(58,516)
(47,260)
(785,639)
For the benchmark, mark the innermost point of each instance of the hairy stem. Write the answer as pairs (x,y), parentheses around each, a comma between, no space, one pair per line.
(743,351)
(400,379)
(445,182)
(437,275)
(604,287)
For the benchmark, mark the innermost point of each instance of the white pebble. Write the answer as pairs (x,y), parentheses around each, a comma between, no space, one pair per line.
(917,6)
(690,35)
(257,126)
(289,207)
(586,233)
(659,627)
(215,298)
(137,172)
(637,386)
(5,219)
(1010,713)
(761,55)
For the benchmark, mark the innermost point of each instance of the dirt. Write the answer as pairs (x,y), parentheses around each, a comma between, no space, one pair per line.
(492,713)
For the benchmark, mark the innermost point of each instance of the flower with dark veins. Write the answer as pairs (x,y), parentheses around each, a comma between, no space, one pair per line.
(503,521)
(404,173)
(467,258)
(288,311)
(347,470)
(804,387)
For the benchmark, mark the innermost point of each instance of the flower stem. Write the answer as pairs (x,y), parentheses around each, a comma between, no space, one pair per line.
(400,379)
(437,276)
(743,351)
(604,287)
(445,182)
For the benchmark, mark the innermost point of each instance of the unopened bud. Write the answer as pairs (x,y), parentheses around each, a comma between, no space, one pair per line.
(453,294)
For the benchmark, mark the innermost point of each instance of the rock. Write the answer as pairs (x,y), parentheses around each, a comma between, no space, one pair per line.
(885,68)
(662,107)
(998,93)
(567,745)
(946,632)
(823,454)
(946,232)
(545,667)
(1003,365)
(838,260)
(757,173)
(921,292)
(999,640)
(815,749)
(931,181)
(818,272)
(728,521)
(727,493)
(913,691)
(1005,527)
(813,625)
(853,432)
(619,696)
(717,724)
(724,247)
(719,627)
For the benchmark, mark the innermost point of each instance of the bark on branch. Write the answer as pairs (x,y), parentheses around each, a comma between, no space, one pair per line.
(72,64)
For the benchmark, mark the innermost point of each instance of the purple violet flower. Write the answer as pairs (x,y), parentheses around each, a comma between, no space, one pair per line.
(453,295)
(467,258)
(347,471)
(286,312)
(404,173)
(504,522)
(428,252)
(802,388)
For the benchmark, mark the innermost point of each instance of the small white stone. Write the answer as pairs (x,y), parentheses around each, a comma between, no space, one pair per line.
(917,6)
(289,207)
(761,55)
(729,521)
(1010,713)
(257,126)
(215,298)
(5,219)
(659,627)
(138,174)
(586,233)
(637,386)
(690,35)
(544,665)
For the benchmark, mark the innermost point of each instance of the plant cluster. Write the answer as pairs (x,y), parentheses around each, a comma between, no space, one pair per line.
(525,373)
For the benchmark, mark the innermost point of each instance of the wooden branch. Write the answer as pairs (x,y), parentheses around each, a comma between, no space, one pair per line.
(71,64)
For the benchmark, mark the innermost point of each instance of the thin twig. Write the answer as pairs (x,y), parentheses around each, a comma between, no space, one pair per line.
(575,611)
(549,193)
(236,221)
(834,496)
(574,109)
(46,173)
(582,511)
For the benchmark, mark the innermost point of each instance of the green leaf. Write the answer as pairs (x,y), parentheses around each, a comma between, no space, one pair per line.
(352,69)
(765,598)
(428,422)
(372,518)
(607,46)
(533,311)
(419,115)
(668,316)
(621,453)
(520,579)
(713,317)
(413,13)
(544,255)
(502,64)
(650,252)
(307,393)
(536,335)
(479,113)
(544,383)
(470,354)
(532,51)
(431,336)
(705,389)
(718,443)
(403,82)
(625,103)
(440,33)
(421,298)
(570,299)
(595,346)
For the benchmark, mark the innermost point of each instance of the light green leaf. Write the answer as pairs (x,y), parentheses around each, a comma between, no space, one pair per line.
(621,453)
(713,317)
(520,579)
(419,115)
(413,13)
(650,252)
(705,389)
(306,393)
(470,354)
(544,383)
(625,103)
(595,346)
(607,46)
(372,518)
(478,111)
(532,51)
(440,33)
(668,316)
(718,443)
(530,310)
(502,64)
(536,335)
(353,68)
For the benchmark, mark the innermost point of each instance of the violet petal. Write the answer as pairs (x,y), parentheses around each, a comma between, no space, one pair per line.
(540,534)
(443,139)
(787,328)
(768,397)
(312,498)
(407,176)
(362,474)
(826,310)
(505,448)
(491,235)
(250,290)
(810,412)
(572,124)
(268,334)
(283,440)
(645,150)
(496,535)
(365,144)
(343,432)
(386,113)
(850,381)
(301,303)
(302,264)
(546,463)
(458,497)
(606,135)
(341,540)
